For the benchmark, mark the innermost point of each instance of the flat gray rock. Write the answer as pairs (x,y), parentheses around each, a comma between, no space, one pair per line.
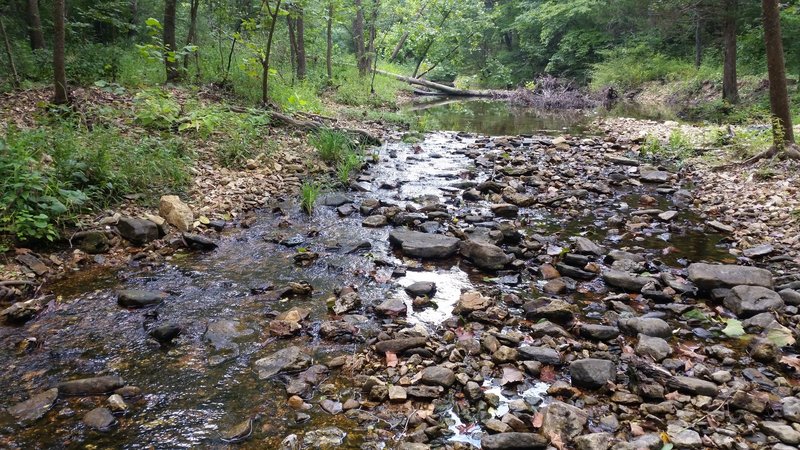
(35,407)
(91,386)
(513,441)
(290,359)
(712,276)
(747,301)
(138,298)
(424,245)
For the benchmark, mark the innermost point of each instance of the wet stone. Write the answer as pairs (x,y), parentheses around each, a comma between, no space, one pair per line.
(331,407)
(137,231)
(376,221)
(684,438)
(484,255)
(544,355)
(335,199)
(100,419)
(392,307)
(290,359)
(758,251)
(137,298)
(91,386)
(400,345)
(566,421)
(424,245)
(595,441)
(586,246)
(782,431)
(421,288)
(599,332)
(626,281)
(35,407)
(438,375)
(329,437)
(513,441)
(710,276)
(649,326)
(424,392)
(693,386)
(239,432)
(656,348)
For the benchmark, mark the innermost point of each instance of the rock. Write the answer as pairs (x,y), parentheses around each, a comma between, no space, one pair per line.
(331,407)
(471,301)
(199,242)
(400,345)
(138,298)
(91,386)
(424,245)
(392,307)
(599,332)
(238,433)
(760,250)
(290,359)
(397,394)
(335,199)
(654,347)
(438,376)
(21,312)
(324,438)
(556,310)
(165,333)
(625,280)
(747,301)
(544,355)
(421,288)
(424,392)
(484,255)
(649,326)
(100,419)
(755,402)
(505,210)
(791,409)
(137,231)
(129,392)
(117,404)
(709,276)
(513,441)
(35,407)
(566,421)
(719,226)
(586,246)
(790,297)
(683,437)
(693,386)
(666,216)
(376,221)
(176,213)
(621,160)
(654,176)
(782,431)
(592,373)
(33,263)
(594,441)
(94,242)
(505,354)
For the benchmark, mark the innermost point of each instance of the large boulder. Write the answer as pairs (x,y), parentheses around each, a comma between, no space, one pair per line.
(424,245)
(176,213)
(712,276)
(484,255)
(290,359)
(137,231)
(747,301)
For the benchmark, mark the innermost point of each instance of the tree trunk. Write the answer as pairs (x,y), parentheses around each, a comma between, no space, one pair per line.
(300,51)
(134,10)
(10,54)
(290,25)
(191,36)
(698,40)
(60,95)
(358,39)
(265,62)
(329,42)
(373,33)
(447,90)
(35,25)
(730,90)
(778,95)
(170,43)
(399,46)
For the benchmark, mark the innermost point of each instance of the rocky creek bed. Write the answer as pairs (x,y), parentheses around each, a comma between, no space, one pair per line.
(501,293)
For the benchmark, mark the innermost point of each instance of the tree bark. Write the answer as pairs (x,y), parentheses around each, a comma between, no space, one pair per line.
(191,36)
(329,42)
(730,89)
(447,90)
(373,33)
(35,25)
(265,63)
(60,95)
(362,59)
(778,94)
(300,41)
(698,40)
(10,54)
(290,24)
(170,43)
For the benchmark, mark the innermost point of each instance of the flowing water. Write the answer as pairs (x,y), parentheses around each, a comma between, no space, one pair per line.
(206,383)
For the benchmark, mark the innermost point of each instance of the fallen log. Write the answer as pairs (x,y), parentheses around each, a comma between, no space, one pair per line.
(362,137)
(448,90)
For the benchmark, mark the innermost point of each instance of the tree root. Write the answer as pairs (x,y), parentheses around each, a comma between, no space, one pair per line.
(792,151)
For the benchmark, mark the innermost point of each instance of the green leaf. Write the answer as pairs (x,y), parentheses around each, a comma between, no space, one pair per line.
(780,335)
(667,446)
(153,22)
(733,328)
(695,314)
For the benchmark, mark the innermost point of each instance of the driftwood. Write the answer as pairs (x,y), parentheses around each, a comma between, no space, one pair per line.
(362,137)
(447,90)
(792,151)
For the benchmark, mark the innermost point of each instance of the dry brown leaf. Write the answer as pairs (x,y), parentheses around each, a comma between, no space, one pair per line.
(391,359)
(636,429)
(791,361)
(537,420)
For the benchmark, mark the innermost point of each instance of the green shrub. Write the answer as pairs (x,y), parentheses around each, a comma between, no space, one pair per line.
(155,108)
(352,162)
(678,147)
